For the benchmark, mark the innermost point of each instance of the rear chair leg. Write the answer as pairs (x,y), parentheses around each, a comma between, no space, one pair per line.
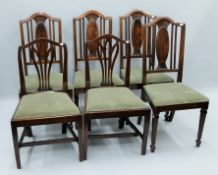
(16,145)
(121,123)
(145,133)
(169,116)
(29,131)
(201,126)
(154,131)
(64,128)
(139,120)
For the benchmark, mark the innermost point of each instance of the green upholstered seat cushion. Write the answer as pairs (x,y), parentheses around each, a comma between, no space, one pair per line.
(112,98)
(56,82)
(152,78)
(173,94)
(95,78)
(45,104)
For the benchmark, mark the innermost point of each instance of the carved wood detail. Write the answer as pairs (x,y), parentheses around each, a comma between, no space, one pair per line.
(162,46)
(137,36)
(92,33)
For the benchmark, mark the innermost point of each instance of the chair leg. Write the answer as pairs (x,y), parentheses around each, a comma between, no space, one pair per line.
(76,99)
(90,125)
(145,133)
(85,137)
(80,140)
(169,116)
(121,123)
(64,128)
(201,126)
(139,120)
(29,131)
(154,131)
(16,145)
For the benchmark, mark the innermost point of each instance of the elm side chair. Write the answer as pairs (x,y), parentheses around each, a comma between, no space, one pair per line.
(89,26)
(108,100)
(131,29)
(45,106)
(36,26)
(169,96)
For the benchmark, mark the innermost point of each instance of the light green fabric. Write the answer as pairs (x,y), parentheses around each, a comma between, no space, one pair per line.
(112,98)
(45,104)
(152,78)
(172,94)
(95,77)
(56,82)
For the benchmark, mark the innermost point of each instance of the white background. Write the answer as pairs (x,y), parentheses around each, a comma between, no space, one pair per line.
(176,153)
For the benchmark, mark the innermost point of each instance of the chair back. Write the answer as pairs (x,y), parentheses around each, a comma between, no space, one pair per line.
(42,55)
(131,26)
(107,50)
(89,26)
(41,25)
(165,48)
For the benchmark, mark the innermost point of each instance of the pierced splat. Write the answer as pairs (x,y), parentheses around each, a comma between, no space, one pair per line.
(43,62)
(162,45)
(92,33)
(137,36)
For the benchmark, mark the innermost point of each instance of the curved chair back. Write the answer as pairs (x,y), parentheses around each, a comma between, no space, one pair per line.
(165,48)
(42,55)
(89,26)
(107,50)
(40,25)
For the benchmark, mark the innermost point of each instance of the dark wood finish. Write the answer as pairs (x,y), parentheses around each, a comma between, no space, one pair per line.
(42,56)
(166,50)
(41,25)
(171,63)
(131,29)
(88,26)
(108,48)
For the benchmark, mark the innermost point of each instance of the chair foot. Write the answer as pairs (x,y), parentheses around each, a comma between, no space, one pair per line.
(152,148)
(198,143)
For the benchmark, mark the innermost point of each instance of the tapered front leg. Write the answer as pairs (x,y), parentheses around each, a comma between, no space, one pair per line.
(154,131)
(145,133)
(85,136)
(201,126)
(80,140)
(16,145)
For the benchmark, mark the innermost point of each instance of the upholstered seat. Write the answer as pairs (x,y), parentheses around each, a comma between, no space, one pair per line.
(45,104)
(95,78)
(112,98)
(152,78)
(167,94)
(56,82)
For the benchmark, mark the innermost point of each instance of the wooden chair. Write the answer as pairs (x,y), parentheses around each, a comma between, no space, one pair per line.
(110,101)
(45,106)
(131,29)
(168,42)
(89,26)
(36,26)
